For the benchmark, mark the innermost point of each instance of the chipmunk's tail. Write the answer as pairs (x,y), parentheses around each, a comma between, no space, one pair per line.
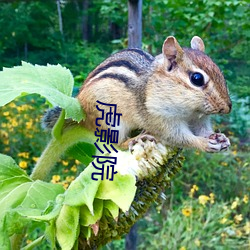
(50,117)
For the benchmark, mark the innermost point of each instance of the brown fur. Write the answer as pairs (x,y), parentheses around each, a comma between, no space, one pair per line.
(156,95)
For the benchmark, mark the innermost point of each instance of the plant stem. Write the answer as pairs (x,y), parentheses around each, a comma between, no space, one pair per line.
(52,153)
(16,241)
(57,146)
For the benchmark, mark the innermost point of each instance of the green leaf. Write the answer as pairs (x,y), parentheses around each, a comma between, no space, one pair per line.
(11,183)
(112,208)
(53,82)
(83,152)
(121,190)
(9,168)
(20,197)
(87,218)
(14,198)
(14,223)
(39,194)
(26,202)
(50,234)
(82,190)
(4,240)
(50,213)
(67,226)
(86,231)
(9,220)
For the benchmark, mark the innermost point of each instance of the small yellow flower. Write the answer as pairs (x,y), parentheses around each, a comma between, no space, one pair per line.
(70,178)
(247,227)
(6,113)
(245,199)
(12,105)
(6,141)
(211,195)
(193,190)
(65,185)
(14,123)
(77,162)
(65,163)
(4,134)
(203,199)
(29,124)
(187,211)
(238,233)
(183,248)
(235,203)
(224,164)
(223,235)
(223,220)
(234,152)
(35,159)
(23,164)
(73,168)
(23,107)
(24,154)
(6,149)
(55,178)
(197,242)
(238,218)
(28,241)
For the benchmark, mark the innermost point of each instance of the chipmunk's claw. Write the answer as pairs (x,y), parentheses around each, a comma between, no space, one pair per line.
(141,139)
(218,142)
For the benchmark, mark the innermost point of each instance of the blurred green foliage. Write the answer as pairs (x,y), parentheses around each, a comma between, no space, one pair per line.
(30,32)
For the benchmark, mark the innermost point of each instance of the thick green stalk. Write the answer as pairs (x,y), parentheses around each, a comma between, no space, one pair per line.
(58,146)
(52,153)
(16,240)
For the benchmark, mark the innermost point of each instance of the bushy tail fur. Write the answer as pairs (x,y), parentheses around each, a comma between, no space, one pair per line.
(50,117)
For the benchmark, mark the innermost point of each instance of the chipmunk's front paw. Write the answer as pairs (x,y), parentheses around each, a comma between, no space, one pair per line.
(218,142)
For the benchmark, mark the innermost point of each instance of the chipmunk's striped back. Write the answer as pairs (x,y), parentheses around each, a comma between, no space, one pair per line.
(120,80)
(124,66)
(169,96)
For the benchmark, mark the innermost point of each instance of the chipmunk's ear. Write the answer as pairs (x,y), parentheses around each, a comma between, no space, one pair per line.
(197,43)
(171,49)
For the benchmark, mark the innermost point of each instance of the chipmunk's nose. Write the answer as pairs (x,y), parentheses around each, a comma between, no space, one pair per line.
(230,106)
(227,108)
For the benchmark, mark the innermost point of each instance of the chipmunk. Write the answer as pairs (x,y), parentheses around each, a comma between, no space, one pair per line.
(170,96)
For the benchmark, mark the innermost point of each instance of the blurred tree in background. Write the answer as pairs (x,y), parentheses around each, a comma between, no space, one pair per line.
(92,29)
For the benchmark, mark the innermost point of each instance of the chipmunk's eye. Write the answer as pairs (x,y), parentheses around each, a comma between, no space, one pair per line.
(197,79)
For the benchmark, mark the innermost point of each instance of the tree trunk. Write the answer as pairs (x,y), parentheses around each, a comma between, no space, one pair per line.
(135,23)
(131,238)
(134,41)
(59,16)
(85,21)
(26,51)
